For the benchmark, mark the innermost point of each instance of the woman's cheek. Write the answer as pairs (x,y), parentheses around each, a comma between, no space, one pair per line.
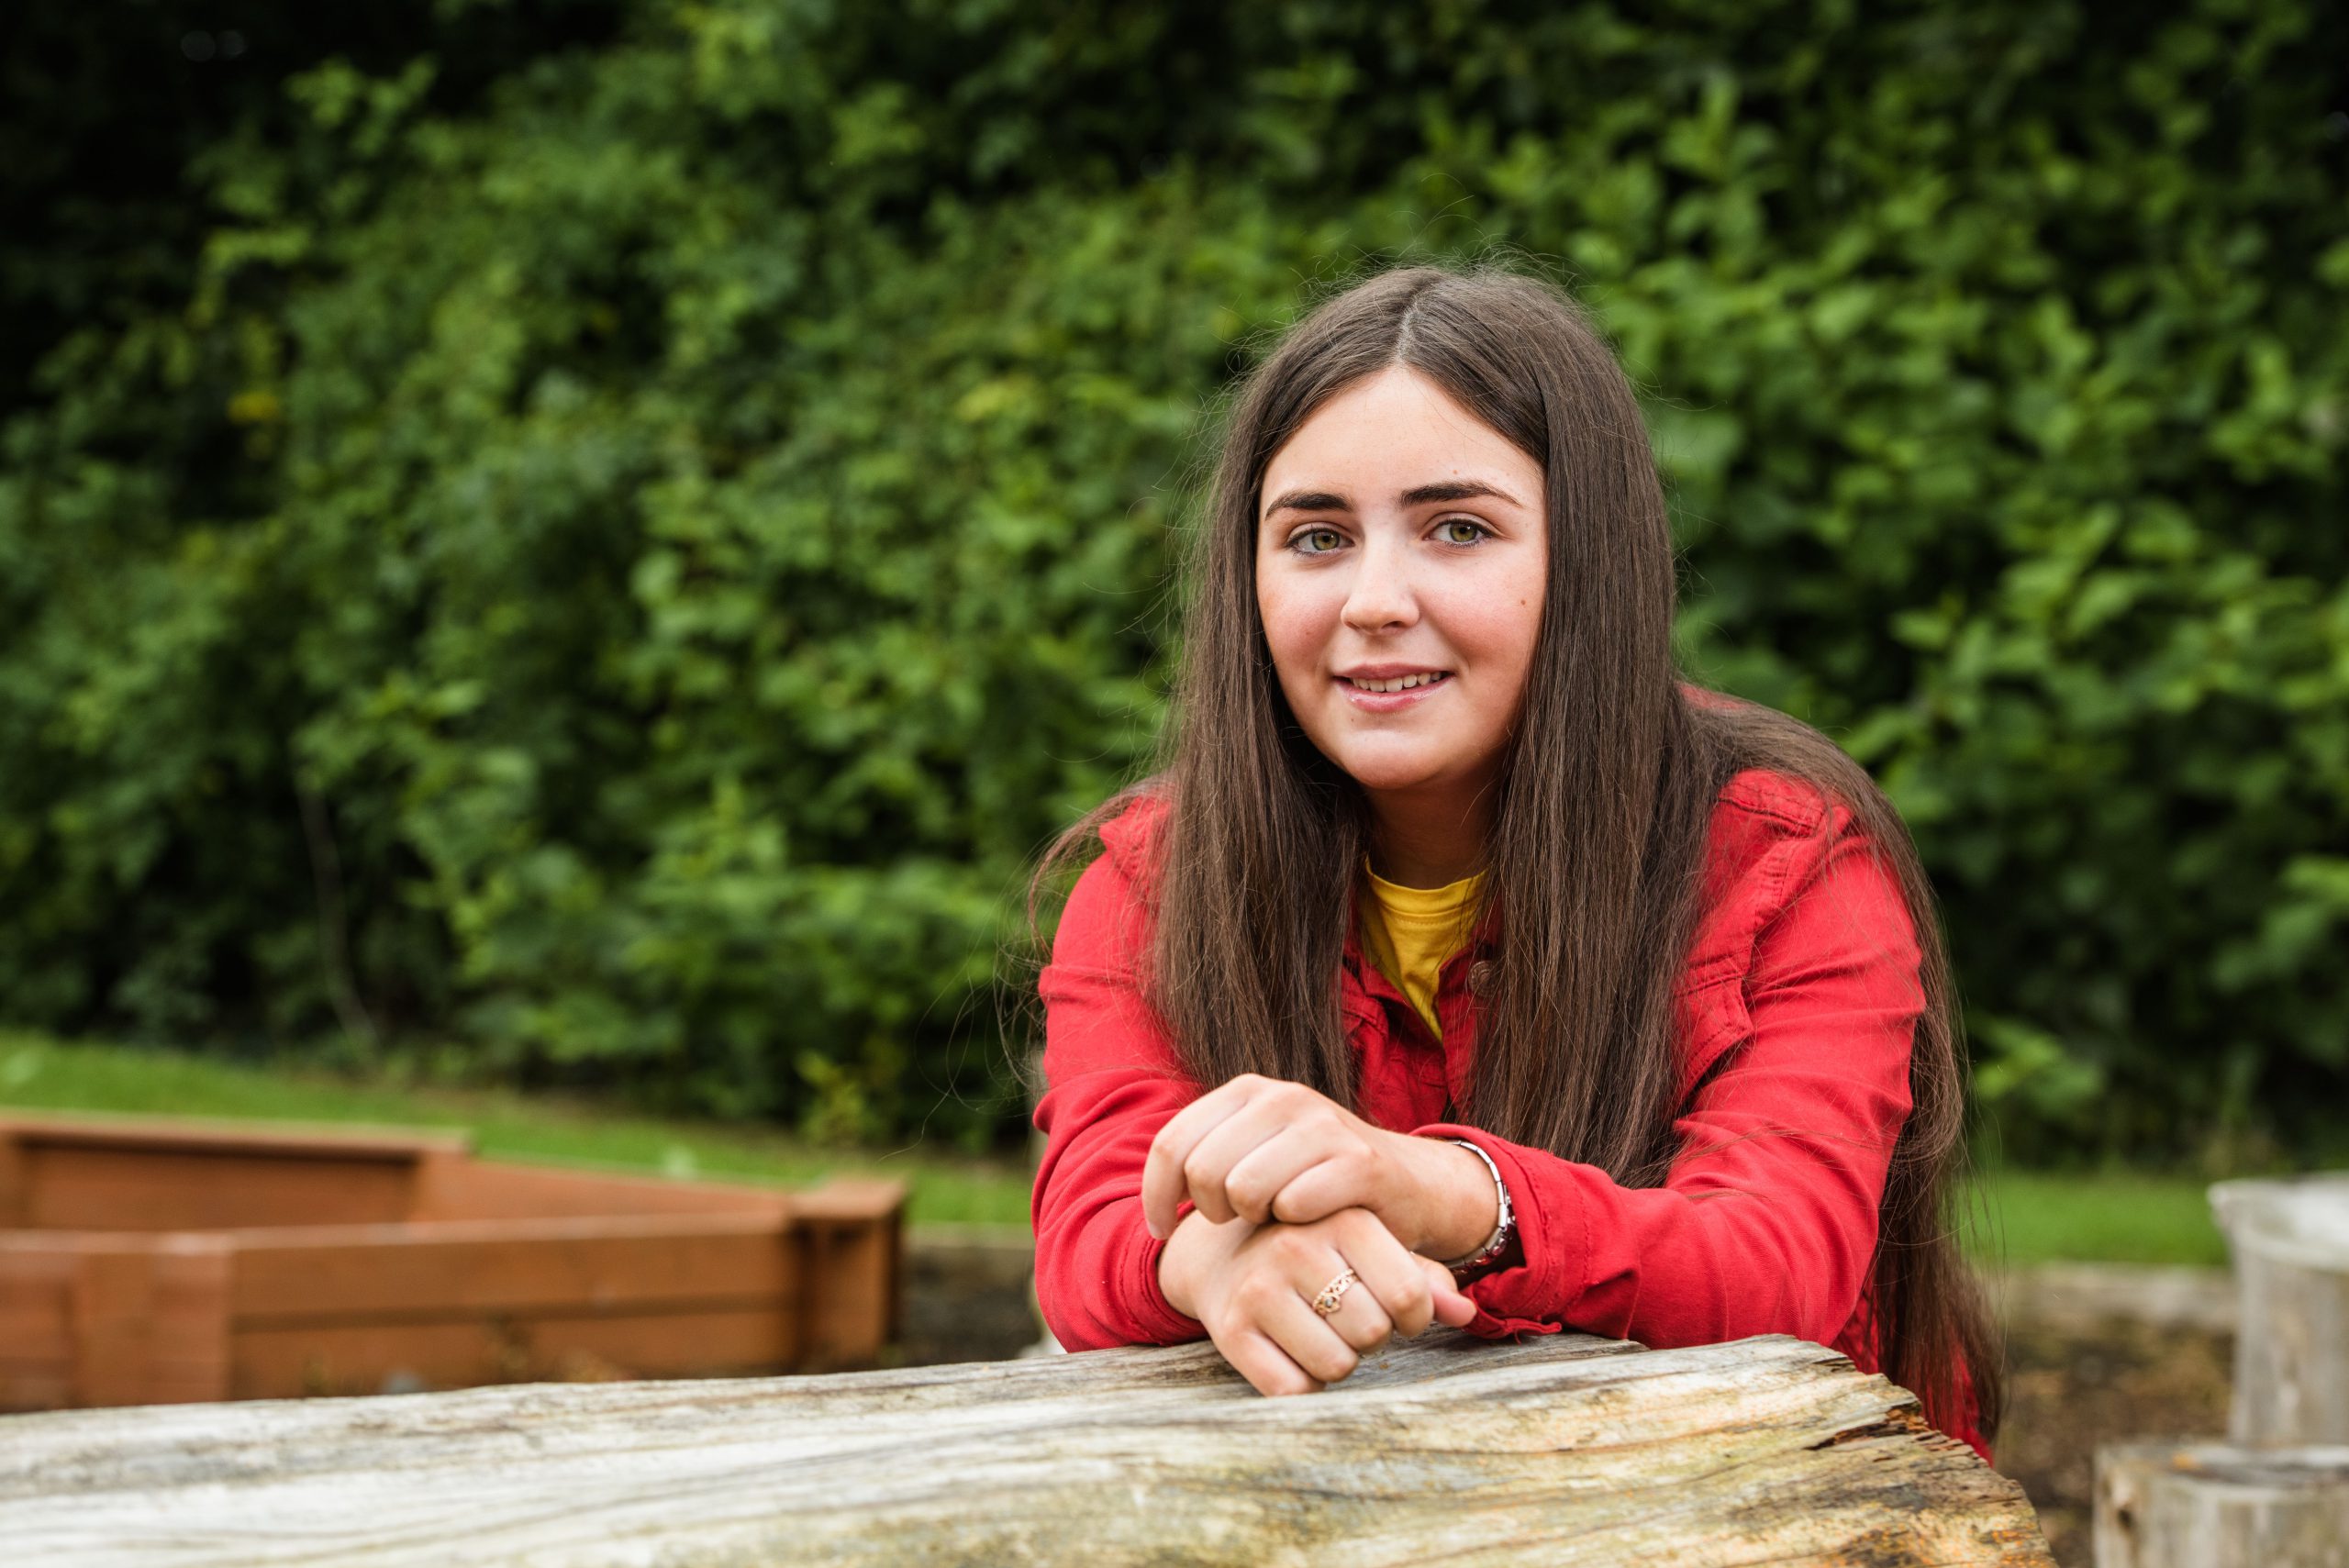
(1290,633)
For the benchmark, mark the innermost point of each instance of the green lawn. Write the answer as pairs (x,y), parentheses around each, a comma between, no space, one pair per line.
(2121,1217)
(40,1073)
(2022,1217)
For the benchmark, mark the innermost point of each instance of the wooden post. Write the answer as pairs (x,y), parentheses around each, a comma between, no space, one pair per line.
(2290,1241)
(2210,1504)
(15,1178)
(1562,1449)
(853,1278)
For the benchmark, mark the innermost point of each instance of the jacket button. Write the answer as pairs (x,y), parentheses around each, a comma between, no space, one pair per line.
(1480,977)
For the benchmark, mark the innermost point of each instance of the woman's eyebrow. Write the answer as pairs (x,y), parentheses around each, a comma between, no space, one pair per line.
(1307,500)
(1456,490)
(1420,496)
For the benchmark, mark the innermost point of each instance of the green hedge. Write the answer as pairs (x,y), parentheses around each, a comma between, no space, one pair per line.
(603,572)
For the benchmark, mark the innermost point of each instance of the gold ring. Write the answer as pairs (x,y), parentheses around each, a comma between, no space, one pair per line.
(1335,1291)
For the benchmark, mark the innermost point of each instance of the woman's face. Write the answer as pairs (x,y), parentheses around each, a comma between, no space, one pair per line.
(1398,536)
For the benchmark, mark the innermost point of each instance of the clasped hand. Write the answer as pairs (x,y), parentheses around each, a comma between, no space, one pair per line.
(1292,1189)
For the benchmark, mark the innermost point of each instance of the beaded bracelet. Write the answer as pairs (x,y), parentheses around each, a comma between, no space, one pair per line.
(1498,1241)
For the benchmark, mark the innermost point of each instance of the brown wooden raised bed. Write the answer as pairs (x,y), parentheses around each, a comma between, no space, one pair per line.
(146,1260)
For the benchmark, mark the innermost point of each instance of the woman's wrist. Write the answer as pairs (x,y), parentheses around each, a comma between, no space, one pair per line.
(1451,1205)
(1196,1246)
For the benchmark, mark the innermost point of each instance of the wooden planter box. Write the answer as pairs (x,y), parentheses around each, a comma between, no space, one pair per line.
(154,1260)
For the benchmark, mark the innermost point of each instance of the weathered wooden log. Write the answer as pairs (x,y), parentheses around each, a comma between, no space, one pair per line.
(2210,1504)
(1562,1450)
(2290,1243)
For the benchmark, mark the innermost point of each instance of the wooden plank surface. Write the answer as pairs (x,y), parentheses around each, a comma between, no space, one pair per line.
(37,1287)
(136,1190)
(1562,1450)
(716,1339)
(340,1140)
(495,1189)
(290,1276)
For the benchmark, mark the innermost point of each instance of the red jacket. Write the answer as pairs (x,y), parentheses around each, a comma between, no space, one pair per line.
(1808,1002)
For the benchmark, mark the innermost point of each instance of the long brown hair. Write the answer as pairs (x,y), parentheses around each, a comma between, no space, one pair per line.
(1597,848)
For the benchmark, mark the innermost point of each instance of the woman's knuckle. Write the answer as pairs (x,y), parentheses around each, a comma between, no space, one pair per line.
(1335,1364)
(1364,1328)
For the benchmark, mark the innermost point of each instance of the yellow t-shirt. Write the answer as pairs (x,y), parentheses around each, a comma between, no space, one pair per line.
(1410,932)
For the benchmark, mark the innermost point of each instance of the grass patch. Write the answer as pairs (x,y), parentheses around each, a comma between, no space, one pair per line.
(40,1073)
(2119,1217)
(2023,1216)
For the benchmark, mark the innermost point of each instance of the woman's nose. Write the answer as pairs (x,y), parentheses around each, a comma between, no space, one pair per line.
(1380,594)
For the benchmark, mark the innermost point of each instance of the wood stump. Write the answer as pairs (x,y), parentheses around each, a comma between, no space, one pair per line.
(2277,1493)
(1562,1450)
(2210,1505)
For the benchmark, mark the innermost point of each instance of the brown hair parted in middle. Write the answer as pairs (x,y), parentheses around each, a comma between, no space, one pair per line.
(1597,844)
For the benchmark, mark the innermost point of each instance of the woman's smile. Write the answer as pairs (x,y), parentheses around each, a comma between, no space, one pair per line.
(1396,693)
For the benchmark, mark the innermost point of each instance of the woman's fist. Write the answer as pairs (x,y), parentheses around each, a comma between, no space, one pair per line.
(1264,1150)
(1268,1151)
(1254,1289)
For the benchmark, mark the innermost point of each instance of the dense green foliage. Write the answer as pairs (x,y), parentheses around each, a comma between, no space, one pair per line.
(618,534)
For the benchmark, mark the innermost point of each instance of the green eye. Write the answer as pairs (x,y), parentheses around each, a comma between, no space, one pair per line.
(1481,530)
(1298,543)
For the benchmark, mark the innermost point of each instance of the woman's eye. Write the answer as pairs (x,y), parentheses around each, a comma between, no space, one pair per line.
(1302,545)
(1449,523)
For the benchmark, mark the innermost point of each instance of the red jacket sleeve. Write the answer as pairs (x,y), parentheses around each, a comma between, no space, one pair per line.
(1767,1219)
(1113,1079)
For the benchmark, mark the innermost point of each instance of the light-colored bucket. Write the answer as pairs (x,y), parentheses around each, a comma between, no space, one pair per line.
(2290,1241)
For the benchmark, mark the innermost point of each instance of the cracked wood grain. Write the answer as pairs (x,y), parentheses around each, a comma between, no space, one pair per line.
(1565,1450)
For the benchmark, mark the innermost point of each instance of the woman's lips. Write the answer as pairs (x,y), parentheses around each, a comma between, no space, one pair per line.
(1391,701)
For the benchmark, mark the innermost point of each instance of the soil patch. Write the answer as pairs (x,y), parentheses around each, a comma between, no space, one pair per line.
(2072,1387)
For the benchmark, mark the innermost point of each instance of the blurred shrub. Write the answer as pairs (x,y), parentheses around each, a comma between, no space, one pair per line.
(619,566)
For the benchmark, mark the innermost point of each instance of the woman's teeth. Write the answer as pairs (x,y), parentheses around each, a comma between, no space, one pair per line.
(1400,683)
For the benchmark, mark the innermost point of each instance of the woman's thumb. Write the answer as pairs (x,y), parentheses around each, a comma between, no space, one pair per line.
(1452,1309)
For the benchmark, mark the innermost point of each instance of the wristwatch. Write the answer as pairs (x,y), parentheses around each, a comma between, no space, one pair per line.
(1498,1241)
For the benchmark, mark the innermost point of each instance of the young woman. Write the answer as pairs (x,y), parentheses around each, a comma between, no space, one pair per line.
(1463,962)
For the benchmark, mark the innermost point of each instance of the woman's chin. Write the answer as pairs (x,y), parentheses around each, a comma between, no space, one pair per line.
(1385,771)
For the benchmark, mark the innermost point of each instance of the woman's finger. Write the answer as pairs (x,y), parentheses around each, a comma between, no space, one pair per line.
(1261,1184)
(1362,1319)
(1269,1370)
(1306,1337)
(1163,1186)
(1332,1183)
(1391,1276)
(1211,1159)
(1452,1307)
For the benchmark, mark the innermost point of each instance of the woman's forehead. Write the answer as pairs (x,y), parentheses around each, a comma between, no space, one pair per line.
(1393,437)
